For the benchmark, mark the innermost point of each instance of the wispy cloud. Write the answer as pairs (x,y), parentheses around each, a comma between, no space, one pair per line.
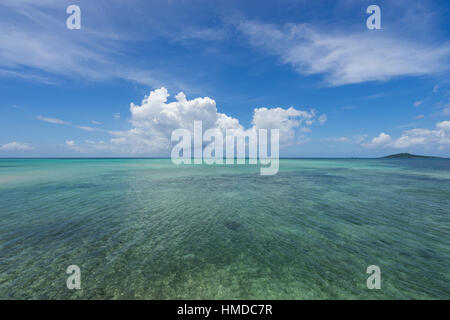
(65,123)
(86,128)
(36,46)
(356,139)
(349,107)
(206,34)
(53,120)
(346,58)
(29,77)
(377,95)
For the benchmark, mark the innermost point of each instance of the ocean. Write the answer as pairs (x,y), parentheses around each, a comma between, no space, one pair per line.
(148,229)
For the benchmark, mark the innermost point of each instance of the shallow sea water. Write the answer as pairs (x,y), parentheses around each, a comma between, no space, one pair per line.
(148,229)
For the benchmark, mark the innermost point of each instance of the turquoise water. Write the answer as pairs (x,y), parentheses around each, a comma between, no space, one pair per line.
(147,229)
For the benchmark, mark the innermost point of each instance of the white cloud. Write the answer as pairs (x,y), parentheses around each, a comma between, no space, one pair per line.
(420,116)
(34,37)
(381,140)
(302,139)
(16,146)
(116,115)
(154,120)
(439,137)
(407,141)
(86,128)
(444,126)
(53,120)
(286,120)
(98,123)
(354,139)
(322,119)
(206,34)
(305,129)
(346,58)
(29,77)
(118,140)
(62,122)
(89,146)
(418,103)
(337,139)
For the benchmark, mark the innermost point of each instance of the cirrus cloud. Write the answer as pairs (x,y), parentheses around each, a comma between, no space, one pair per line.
(53,120)
(346,58)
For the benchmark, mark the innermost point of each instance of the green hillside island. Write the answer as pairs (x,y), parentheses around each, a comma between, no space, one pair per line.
(408,156)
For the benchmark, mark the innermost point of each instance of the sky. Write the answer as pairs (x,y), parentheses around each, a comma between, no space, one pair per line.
(137,70)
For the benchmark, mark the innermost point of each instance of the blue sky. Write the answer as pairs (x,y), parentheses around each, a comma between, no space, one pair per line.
(313,68)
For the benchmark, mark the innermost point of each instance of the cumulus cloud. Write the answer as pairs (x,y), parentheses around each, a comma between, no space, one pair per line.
(408,141)
(154,120)
(286,120)
(16,146)
(444,126)
(346,58)
(381,140)
(439,136)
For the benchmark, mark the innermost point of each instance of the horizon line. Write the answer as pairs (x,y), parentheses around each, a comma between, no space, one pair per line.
(168,158)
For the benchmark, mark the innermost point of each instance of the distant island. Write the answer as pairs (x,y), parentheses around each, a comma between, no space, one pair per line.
(408,156)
